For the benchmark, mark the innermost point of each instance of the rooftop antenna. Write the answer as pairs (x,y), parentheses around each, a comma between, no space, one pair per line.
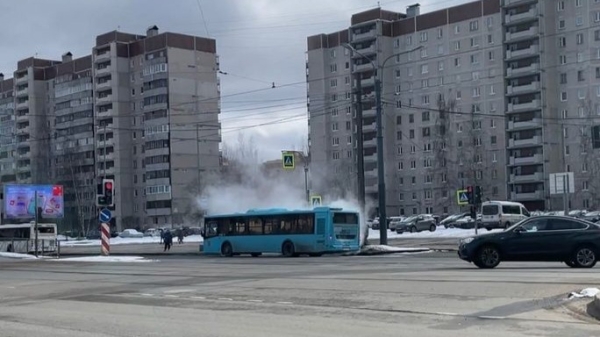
(378,4)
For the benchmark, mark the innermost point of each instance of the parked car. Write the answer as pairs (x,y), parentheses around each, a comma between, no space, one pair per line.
(131,233)
(449,221)
(467,222)
(592,216)
(574,241)
(151,232)
(416,223)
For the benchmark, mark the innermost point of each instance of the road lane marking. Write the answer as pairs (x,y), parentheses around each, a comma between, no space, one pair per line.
(256,301)
(225,299)
(198,297)
(171,296)
(284,302)
(147,294)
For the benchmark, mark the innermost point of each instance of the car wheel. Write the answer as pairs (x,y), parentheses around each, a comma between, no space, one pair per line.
(256,254)
(488,228)
(432,228)
(488,257)
(506,225)
(446,226)
(10,249)
(226,249)
(413,229)
(571,263)
(287,249)
(585,257)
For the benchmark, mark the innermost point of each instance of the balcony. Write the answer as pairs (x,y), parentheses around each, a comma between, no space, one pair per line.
(23,104)
(371,174)
(527,178)
(368,82)
(533,31)
(24,130)
(363,67)
(22,79)
(531,69)
(514,196)
(369,127)
(531,51)
(523,89)
(102,57)
(105,84)
(535,140)
(371,158)
(365,36)
(531,14)
(513,3)
(369,113)
(535,159)
(534,123)
(23,154)
(158,211)
(370,143)
(371,188)
(104,99)
(101,71)
(104,113)
(22,92)
(372,49)
(535,104)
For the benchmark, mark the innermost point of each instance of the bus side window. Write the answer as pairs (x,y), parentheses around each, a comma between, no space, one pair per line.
(255,226)
(270,225)
(240,226)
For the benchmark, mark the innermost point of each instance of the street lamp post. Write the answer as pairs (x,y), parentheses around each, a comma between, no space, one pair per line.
(305,160)
(378,70)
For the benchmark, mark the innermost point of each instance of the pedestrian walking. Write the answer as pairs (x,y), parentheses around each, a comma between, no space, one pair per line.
(168,240)
(180,235)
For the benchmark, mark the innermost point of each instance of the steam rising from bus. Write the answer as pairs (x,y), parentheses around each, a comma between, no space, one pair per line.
(256,190)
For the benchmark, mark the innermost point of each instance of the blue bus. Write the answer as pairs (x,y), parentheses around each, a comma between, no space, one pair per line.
(289,232)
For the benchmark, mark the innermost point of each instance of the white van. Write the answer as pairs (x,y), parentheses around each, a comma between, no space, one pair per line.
(502,214)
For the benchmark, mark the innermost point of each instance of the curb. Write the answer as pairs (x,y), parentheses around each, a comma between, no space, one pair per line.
(593,308)
(375,252)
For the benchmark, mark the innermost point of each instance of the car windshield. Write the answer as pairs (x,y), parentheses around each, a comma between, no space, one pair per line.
(409,219)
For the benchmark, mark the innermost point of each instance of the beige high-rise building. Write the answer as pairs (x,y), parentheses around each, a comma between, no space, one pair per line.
(141,109)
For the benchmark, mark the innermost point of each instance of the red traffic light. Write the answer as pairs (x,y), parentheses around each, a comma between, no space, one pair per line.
(469,189)
(108,186)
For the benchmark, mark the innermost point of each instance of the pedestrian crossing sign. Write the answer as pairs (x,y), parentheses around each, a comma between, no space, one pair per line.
(288,161)
(461,197)
(315,200)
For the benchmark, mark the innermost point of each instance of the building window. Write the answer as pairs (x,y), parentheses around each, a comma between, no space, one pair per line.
(579,38)
(493,139)
(563,96)
(333,68)
(474,25)
(335,141)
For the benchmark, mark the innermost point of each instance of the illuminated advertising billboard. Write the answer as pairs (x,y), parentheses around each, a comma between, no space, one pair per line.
(19,201)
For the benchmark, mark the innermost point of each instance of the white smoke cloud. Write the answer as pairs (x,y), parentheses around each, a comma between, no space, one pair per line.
(258,191)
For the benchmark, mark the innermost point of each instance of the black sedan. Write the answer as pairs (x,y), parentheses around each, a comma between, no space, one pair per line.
(544,238)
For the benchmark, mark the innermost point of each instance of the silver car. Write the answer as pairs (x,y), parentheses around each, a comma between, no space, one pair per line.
(416,223)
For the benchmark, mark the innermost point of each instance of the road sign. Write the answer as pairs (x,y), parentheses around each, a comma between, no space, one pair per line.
(105,215)
(562,182)
(288,161)
(462,198)
(315,200)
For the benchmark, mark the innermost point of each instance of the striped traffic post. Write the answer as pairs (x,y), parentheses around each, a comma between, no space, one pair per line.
(105,234)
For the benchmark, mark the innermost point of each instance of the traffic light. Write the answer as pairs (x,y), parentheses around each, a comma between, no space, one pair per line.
(473,212)
(108,188)
(477,195)
(470,194)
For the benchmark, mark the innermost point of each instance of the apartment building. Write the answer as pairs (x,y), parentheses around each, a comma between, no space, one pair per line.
(7,130)
(443,103)
(141,109)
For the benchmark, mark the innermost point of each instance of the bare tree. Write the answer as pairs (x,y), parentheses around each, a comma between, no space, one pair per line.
(445,159)
(75,170)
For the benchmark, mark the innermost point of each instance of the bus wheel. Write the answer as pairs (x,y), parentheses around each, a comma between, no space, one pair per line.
(287,249)
(226,249)
(256,254)
(10,249)
(315,254)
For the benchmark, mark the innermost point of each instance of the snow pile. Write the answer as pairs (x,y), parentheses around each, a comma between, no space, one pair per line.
(383,249)
(106,259)
(127,241)
(440,232)
(587,292)
(17,256)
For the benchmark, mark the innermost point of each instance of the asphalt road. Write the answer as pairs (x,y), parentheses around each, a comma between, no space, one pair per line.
(425,295)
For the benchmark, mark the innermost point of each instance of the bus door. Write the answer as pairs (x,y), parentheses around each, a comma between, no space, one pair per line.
(323,238)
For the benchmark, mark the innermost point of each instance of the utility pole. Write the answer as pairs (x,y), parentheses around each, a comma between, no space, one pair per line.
(360,148)
(380,162)
(566,186)
(35,226)
(198,158)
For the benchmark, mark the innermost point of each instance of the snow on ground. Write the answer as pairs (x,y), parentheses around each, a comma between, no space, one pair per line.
(440,232)
(17,256)
(61,237)
(127,241)
(391,249)
(105,259)
(587,292)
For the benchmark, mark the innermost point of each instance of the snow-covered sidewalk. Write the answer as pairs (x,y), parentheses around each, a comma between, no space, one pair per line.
(127,241)
(105,259)
(440,232)
(18,256)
